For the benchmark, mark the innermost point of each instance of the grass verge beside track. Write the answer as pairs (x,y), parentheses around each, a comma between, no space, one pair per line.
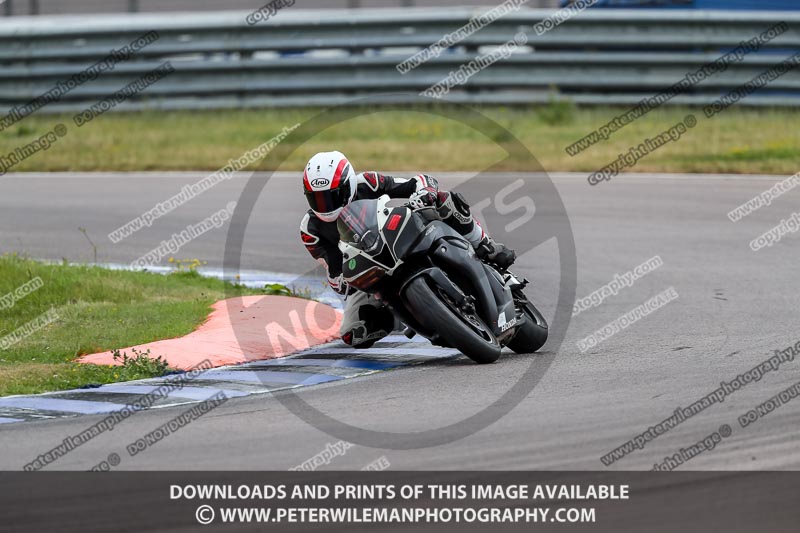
(740,140)
(97,310)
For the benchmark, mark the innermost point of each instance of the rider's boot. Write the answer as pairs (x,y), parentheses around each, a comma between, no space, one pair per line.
(492,251)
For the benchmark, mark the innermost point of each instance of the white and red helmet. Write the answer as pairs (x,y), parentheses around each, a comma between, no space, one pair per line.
(329,183)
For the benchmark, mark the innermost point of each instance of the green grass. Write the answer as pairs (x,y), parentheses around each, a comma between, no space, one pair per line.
(98,310)
(738,140)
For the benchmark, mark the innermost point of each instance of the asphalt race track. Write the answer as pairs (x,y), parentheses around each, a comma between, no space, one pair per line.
(735,307)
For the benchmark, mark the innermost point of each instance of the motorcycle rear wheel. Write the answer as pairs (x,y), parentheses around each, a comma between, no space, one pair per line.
(533,333)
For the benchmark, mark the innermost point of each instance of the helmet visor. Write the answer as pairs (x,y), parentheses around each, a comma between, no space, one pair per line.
(327,201)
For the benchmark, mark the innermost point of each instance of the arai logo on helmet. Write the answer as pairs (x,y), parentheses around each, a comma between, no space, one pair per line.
(320,182)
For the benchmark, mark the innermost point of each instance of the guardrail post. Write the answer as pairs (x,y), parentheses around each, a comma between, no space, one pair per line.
(8,10)
(133,6)
(353,4)
(34,7)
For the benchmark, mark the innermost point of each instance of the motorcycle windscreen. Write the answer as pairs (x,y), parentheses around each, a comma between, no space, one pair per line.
(358,225)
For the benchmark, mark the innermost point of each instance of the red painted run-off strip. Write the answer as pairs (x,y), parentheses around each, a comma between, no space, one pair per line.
(244,329)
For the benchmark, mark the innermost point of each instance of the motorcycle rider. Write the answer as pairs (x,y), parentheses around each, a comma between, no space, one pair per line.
(329,184)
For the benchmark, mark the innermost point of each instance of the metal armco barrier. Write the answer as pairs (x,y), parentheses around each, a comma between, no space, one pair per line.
(301,57)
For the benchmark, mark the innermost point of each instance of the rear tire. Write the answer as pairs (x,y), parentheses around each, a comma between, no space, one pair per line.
(533,333)
(428,308)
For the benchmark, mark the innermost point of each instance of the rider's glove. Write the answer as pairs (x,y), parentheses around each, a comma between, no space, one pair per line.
(339,285)
(425,197)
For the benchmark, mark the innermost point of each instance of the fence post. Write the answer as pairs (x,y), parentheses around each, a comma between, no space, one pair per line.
(133,6)
(8,10)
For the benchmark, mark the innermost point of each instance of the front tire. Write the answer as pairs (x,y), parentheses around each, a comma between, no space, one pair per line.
(428,308)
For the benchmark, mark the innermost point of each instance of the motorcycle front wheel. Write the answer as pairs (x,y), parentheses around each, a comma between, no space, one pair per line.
(464,331)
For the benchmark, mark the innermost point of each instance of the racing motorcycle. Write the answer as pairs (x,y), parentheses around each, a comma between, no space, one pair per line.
(430,278)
